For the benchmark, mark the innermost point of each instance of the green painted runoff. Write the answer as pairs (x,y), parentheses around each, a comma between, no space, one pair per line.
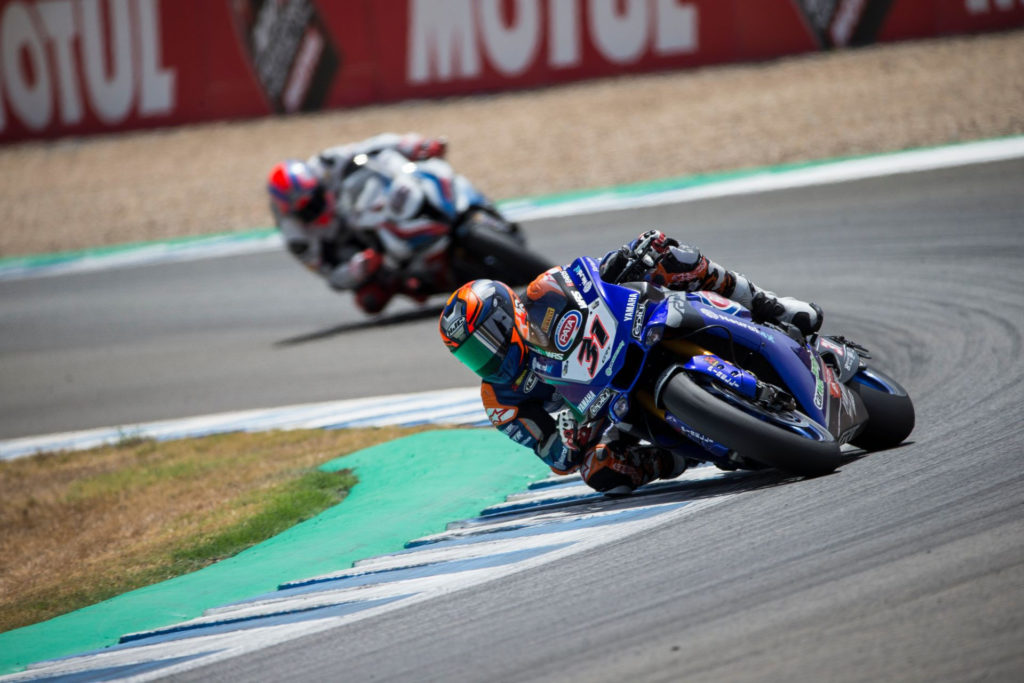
(407,489)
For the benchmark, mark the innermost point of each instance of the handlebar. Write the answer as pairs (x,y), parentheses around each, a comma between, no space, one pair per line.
(639,260)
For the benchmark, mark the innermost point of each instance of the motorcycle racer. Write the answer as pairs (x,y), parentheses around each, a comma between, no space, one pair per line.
(496,335)
(321,204)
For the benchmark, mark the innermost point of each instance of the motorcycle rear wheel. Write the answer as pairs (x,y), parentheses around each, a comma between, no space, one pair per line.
(890,413)
(501,256)
(751,437)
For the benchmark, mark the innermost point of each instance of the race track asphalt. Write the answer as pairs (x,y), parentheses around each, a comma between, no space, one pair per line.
(904,565)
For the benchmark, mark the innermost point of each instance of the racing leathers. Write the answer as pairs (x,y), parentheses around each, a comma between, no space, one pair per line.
(338,243)
(666,263)
(607,460)
(611,460)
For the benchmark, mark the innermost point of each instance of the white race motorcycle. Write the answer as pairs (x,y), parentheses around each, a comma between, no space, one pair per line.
(432,223)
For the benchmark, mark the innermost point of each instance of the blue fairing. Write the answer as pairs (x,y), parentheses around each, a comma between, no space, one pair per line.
(611,340)
(797,365)
(454,197)
(877,381)
(447,201)
(597,362)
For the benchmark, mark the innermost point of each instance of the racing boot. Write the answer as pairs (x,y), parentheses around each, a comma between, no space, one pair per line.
(357,271)
(373,297)
(805,317)
(418,286)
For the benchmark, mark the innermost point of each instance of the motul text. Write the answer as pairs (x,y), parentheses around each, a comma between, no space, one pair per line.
(451,39)
(59,58)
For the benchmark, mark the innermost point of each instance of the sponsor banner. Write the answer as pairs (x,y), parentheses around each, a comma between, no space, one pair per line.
(843,23)
(90,66)
(74,67)
(46,80)
(460,46)
(925,18)
(289,49)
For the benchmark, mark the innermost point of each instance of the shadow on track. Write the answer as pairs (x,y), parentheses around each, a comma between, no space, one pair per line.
(432,311)
(684,490)
(670,491)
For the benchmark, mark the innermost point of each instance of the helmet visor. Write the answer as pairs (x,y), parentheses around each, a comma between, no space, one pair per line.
(315,206)
(480,353)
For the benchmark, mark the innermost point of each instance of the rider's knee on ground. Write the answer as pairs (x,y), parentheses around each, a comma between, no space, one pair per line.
(604,469)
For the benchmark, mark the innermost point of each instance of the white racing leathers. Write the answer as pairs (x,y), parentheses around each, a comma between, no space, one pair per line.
(339,245)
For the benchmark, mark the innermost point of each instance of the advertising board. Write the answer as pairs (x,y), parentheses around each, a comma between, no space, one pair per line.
(78,67)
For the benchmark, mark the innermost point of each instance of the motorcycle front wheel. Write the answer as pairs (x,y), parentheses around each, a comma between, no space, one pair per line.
(788,440)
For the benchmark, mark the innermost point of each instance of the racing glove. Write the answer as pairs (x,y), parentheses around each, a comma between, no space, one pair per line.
(655,242)
(419,148)
(574,436)
(638,258)
(650,247)
(806,317)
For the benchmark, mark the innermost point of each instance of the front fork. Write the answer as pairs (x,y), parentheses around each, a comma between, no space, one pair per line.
(723,373)
(652,403)
(698,361)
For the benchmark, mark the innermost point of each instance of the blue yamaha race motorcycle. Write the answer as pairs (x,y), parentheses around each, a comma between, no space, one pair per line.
(691,372)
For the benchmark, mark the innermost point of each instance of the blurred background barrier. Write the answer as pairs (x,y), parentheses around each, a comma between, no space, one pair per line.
(75,67)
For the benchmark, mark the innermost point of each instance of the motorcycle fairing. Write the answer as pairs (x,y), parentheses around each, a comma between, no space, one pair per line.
(820,394)
(717,451)
(796,364)
(405,241)
(592,338)
(608,331)
(438,191)
(843,356)
(724,373)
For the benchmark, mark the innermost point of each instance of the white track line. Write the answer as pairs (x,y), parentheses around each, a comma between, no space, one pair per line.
(447,406)
(616,199)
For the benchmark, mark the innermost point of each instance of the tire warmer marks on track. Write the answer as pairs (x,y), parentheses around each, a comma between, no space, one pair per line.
(554,518)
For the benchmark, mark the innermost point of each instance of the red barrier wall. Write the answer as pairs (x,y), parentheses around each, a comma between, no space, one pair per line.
(72,67)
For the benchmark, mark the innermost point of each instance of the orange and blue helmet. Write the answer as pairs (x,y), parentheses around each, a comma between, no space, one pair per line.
(295,190)
(484,325)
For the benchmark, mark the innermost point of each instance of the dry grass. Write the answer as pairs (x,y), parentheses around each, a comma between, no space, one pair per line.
(210,178)
(79,527)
